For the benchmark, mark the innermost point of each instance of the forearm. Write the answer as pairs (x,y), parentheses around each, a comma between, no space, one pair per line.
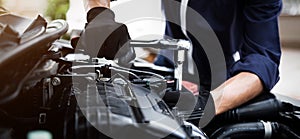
(89,4)
(236,91)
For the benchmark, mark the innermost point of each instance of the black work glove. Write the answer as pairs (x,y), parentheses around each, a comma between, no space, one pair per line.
(104,37)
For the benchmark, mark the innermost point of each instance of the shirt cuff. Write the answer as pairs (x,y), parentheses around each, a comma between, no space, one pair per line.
(260,65)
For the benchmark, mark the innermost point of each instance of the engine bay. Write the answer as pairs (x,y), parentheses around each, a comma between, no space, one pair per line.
(50,90)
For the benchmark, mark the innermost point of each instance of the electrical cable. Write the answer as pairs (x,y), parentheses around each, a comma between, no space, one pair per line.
(125,71)
(139,71)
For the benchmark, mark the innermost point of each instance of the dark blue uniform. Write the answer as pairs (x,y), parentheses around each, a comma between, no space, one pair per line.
(247,27)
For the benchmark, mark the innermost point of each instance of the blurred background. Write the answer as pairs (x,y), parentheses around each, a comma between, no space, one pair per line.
(151,28)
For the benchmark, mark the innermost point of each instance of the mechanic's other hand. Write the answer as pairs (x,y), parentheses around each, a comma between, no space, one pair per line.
(103,37)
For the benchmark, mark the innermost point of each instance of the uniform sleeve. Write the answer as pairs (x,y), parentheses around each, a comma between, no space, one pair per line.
(260,51)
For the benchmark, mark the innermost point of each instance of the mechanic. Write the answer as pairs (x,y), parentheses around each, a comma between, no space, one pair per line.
(247,28)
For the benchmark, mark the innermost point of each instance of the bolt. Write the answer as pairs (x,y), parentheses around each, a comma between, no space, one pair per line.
(56,81)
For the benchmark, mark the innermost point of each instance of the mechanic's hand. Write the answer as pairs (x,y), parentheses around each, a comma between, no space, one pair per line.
(103,37)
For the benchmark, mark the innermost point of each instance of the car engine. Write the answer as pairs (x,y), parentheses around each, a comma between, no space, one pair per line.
(49,90)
